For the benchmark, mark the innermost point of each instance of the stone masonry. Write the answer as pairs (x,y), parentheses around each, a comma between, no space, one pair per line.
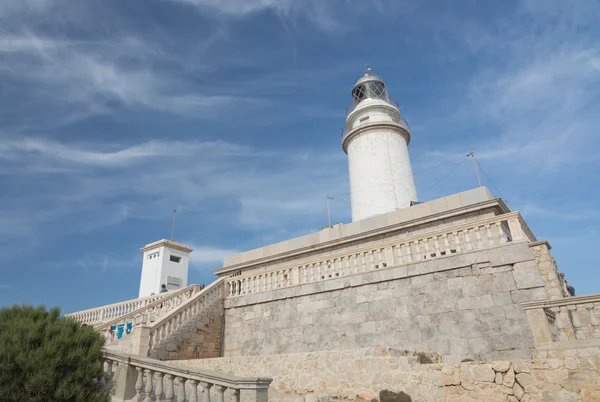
(368,374)
(462,306)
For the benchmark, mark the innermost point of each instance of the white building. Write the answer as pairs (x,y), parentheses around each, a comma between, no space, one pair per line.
(376,139)
(165,262)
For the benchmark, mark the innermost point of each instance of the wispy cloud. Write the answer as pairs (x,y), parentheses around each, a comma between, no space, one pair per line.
(204,257)
(329,15)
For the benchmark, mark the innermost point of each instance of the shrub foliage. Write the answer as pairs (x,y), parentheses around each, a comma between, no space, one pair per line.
(44,357)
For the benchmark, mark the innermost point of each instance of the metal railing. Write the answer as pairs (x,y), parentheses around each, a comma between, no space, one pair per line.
(387,99)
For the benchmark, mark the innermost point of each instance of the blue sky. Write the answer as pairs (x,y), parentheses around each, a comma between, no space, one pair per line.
(114,113)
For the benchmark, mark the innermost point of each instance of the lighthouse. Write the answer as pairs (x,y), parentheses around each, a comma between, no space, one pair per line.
(376,139)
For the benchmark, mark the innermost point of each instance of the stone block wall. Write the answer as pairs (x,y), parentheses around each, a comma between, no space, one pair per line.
(371,374)
(548,270)
(460,306)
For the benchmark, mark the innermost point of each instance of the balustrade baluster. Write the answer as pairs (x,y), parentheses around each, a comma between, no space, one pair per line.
(113,379)
(593,319)
(478,231)
(139,382)
(427,251)
(558,323)
(181,393)
(409,257)
(206,386)
(158,392)
(490,236)
(469,245)
(579,334)
(235,395)
(108,374)
(501,234)
(418,250)
(169,391)
(436,245)
(193,390)
(446,244)
(148,389)
(220,393)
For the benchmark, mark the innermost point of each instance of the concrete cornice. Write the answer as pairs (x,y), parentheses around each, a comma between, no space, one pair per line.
(496,203)
(565,301)
(539,243)
(169,244)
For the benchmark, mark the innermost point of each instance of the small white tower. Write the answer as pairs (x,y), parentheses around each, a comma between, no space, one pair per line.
(376,140)
(165,262)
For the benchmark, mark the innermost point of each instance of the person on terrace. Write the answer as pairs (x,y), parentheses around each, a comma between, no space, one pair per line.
(570,289)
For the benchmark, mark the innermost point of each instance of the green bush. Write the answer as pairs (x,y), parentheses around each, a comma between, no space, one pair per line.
(45,358)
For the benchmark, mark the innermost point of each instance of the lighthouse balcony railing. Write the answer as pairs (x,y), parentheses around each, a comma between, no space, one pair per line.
(349,127)
(486,233)
(387,99)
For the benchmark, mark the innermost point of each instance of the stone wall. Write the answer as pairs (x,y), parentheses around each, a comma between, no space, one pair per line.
(463,306)
(548,270)
(365,373)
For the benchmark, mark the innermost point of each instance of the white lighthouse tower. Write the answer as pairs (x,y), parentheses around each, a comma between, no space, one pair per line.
(376,139)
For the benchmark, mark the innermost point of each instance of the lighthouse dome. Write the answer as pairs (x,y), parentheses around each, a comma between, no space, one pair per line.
(369,86)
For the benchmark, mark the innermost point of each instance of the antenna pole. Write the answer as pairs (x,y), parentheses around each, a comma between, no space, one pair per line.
(328,212)
(173,225)
(476,167)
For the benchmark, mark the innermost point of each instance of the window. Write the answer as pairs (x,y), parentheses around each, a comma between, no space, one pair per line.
(175,258)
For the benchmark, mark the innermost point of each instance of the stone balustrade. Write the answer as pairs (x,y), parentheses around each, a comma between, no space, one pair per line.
(110,312)
(153,311)
(141,379)
(564,323)
(482,234)
(162,329)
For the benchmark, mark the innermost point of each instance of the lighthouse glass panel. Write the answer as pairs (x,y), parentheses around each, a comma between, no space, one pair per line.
(369,90)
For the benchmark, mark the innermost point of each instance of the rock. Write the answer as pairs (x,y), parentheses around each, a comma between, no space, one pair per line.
(311,398)
(501,366)
(364,395)
(524,379)
(521,367)
(511,398)
(389,396)
(518,390)
(482,372)
(498,379)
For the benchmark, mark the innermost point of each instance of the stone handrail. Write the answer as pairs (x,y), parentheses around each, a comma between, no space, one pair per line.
(473,236)
(165,326)
(153,311)
(111,311)
(131,378)
(556,323)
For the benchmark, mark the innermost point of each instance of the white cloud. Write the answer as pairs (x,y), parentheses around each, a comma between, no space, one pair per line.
(204,256)
(330,15)
(81,78)
(32,150)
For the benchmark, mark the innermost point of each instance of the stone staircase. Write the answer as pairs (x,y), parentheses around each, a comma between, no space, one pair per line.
(198,337)
(187,328)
